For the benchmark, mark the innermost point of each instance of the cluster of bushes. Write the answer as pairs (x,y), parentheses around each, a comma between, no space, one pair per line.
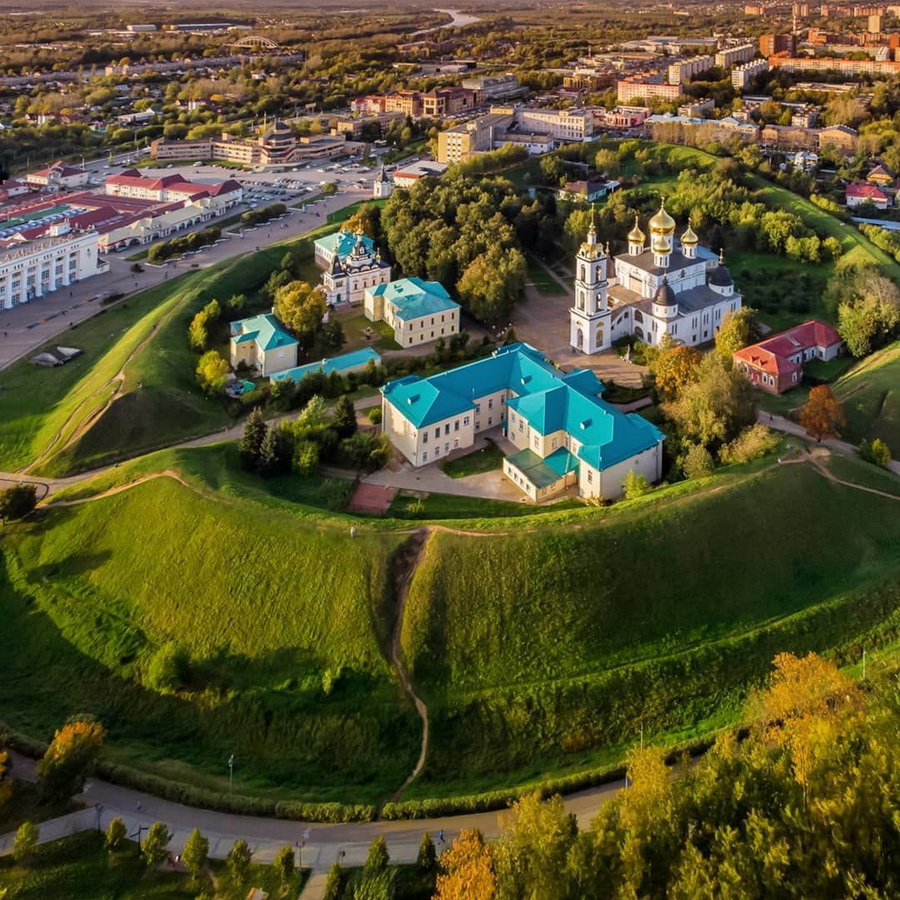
(889,241)
(866,305)
(492,161)
(315,436)
(877,452)
(254,217)
(178,245)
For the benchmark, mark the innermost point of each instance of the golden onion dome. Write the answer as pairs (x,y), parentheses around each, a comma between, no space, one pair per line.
(636,236)
(662,222)
(689,239)
(661,243)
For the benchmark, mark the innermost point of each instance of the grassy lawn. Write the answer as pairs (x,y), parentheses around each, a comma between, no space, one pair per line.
(870,394)
(869,475)
(360,332)
(542,279)
(78,868)
(487,459)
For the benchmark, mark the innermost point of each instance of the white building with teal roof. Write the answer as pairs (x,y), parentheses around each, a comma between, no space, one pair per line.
(566,435)
(418,311)
(262,343)
(344,364)
(351,263)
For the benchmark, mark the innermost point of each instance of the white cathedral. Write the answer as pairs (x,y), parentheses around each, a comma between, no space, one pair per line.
(664,289)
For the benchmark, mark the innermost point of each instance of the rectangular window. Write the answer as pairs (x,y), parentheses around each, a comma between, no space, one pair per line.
(465,420)
(424,437)
(425,457)
(590,476)
(447,428)
(456,425)
(491,403)
(437,432)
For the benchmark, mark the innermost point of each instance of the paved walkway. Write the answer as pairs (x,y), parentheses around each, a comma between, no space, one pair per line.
(779,423)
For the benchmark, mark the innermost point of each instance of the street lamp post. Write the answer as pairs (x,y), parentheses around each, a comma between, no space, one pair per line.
(230,772)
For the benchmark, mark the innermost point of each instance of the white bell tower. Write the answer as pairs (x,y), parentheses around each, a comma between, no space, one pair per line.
(589,318)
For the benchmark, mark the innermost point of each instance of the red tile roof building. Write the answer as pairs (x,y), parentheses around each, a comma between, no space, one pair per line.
(776,364)
(860,192)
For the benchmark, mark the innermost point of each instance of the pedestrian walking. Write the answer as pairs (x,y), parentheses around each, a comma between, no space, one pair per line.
(441,836)
(140,807)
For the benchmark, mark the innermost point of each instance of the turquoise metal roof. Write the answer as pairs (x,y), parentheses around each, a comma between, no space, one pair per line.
(343,242)
(549,400)
(265,329)
(342,363)
(413,298)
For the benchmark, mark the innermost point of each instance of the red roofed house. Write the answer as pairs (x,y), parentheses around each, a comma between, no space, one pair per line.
(57,177)
(861,192)
(776,364)
(172,188)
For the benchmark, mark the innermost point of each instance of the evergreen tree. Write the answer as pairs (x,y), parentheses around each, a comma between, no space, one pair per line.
(195,853)
(334,884)
(116,833)
(344,421)
(238,862)
(25,841)
(379,857)
(283,864)
(427,858)
(252,439)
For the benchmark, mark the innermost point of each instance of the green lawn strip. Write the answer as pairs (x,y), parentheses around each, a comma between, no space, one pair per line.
(487,459)
(870,395)
(542,279)
(79,867)
(360,332)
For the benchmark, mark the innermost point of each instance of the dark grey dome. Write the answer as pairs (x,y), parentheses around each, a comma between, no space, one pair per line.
(665,296)
(721,277)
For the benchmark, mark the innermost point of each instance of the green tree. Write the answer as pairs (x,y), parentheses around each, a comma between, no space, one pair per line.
(156,844)
(275,453)
(25,841)
(306,459)
(344,420)
(69,759)
(284,864)
(301,308)
(635,485)
(492,282)
(6,783)
(716,407)
(17,501)
(427,856)
(877,453)
(238,862)
(378,857)
(334,884)
(739,329)
(252,438)
(212,372)
(116,833)
(698,462)
(195,853)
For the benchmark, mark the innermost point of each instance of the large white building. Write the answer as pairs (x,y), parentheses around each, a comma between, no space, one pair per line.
(419,311)
(31,269)
(663,289)
(566,437)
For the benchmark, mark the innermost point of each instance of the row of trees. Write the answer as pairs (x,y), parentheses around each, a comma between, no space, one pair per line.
(805,806)
(184,243)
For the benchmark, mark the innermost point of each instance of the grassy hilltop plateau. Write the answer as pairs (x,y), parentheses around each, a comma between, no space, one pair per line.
(200,611)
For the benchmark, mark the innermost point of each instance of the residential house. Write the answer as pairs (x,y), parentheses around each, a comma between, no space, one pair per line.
(776,364)
(260,342)
(860,192)
(418,311)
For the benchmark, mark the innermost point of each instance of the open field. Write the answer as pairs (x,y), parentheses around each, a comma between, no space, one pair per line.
(870,394)
(590,620)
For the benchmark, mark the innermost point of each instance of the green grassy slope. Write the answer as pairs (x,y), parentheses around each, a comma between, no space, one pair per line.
(534,647)
(284,621)
(870,394)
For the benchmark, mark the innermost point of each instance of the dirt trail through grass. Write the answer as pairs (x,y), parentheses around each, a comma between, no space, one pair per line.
(119,488)
(406,560)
